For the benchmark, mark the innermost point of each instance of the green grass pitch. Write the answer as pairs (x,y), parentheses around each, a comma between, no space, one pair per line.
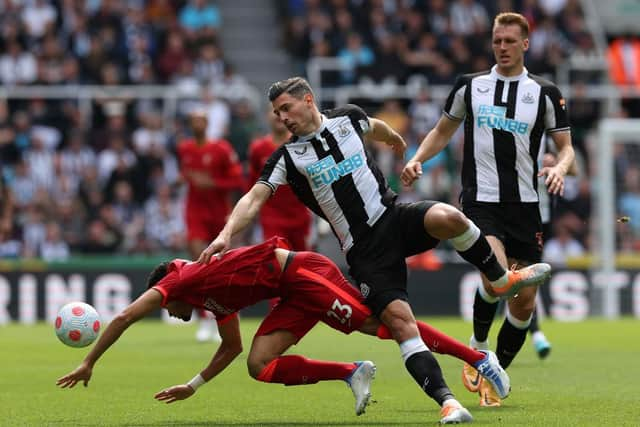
(591,378)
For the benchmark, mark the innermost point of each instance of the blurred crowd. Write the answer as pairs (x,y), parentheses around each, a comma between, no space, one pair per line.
(107,182)
(433,39)
(110,182)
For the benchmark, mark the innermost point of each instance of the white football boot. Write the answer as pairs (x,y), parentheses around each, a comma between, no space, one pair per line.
(360,383)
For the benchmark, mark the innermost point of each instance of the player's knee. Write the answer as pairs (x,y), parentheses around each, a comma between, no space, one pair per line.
(457,221)
(444,221)
(255,367)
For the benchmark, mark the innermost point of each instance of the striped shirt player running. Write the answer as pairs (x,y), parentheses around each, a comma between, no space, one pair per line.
(506,112)
(327,167)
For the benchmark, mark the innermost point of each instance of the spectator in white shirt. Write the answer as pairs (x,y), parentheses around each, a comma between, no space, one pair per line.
(16,66)
(108,158)
(150,134)
(54,248)
(218,115)
(561,246)
(37,17)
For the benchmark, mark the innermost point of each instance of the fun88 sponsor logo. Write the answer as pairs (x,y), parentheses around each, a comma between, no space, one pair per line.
(327,171)
(493,117)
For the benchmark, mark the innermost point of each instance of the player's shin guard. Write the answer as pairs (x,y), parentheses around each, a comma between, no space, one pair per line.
(439,342)
(511,338)
(425,370)
(474,248)
(297,370)
(484,310)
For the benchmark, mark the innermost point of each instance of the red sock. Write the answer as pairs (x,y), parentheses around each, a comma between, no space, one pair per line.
(296,370)
(439,342)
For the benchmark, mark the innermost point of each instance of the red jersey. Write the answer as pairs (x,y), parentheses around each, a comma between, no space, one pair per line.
(283,209)
(218,161)
(241,278)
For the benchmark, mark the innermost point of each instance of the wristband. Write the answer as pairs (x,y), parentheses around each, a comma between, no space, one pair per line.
(196,382)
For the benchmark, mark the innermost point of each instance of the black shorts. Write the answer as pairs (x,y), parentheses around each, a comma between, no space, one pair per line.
(516,225)
(377,262)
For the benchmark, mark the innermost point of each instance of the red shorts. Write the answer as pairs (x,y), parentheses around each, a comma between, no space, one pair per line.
(298,237)
(203,227)
(315,290)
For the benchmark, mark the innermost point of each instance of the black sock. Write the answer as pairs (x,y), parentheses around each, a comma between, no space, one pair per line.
(534,327)
(483,314)
(481,255)
(510,340)
(425,370)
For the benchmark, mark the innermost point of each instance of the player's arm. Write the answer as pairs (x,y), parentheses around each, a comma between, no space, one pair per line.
(241,216)
(145,304)
(381,131)
(565,163)
(432,144)
(229,349)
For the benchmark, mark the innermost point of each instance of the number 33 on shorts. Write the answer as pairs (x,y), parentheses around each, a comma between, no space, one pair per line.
(340,312)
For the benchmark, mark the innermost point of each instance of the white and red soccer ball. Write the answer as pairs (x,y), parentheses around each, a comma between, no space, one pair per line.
(77,324)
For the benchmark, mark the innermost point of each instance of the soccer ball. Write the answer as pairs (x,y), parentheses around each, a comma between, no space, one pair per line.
(77,324)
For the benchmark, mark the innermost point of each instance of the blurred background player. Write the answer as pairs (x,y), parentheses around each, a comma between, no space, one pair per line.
(541,344)
(212,171)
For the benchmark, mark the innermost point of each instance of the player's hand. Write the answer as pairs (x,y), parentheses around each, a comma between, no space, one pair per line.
(216,248)
(412,171)
(554,180)
(81,373)
(177,392)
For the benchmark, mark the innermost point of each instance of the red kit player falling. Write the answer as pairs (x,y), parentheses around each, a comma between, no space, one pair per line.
(312,290)
(283,214)
(211,171)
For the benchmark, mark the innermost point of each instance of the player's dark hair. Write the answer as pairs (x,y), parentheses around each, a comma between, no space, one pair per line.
(512,18)
(157,274)
(294,86)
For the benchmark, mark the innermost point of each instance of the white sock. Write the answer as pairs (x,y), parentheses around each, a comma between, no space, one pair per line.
(478,345)
(538,336)
(450,401)
(412,346)
(517,323)
(465,240)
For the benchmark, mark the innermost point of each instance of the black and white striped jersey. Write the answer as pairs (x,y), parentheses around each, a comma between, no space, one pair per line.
(332,173)
(505,119)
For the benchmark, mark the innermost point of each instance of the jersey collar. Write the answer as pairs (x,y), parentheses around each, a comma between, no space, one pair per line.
(323,126)
(498,76)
